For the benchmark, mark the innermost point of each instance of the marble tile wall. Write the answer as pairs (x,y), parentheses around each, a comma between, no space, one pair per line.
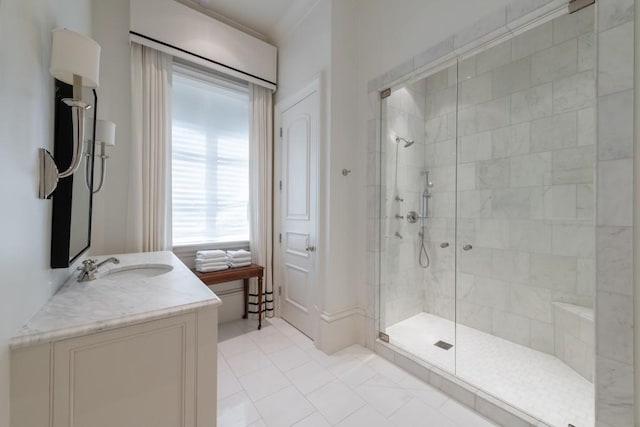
(614,231)
(402,291)
(574,337)
(440,162)
(525,182)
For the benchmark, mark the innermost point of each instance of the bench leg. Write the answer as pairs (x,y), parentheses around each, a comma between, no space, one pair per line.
(259,302)
(246,299)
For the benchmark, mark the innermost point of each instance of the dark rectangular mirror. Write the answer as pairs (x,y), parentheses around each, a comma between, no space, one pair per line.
(72,199)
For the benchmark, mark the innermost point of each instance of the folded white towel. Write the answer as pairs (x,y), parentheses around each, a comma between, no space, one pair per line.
(243,259)
(211,254)
(201,260)
(211,264)
(242,264)
(211,257)
(238,253)
(209,269)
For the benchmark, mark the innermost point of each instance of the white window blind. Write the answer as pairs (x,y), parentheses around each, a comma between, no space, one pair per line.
(210,160)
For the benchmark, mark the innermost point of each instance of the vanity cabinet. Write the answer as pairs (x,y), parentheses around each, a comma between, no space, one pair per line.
(159,373)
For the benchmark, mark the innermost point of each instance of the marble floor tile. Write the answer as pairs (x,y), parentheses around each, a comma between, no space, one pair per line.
(284,408)
(300,386)
(366,416)
(313,420)
(228,384)
(415,413)
(264,382)
(336,401)
(310,377)
(289,358)
(237,410)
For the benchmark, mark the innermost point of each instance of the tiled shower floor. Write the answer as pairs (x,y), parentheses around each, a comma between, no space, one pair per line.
(532,381)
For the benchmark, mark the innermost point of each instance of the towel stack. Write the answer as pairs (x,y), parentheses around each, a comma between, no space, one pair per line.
(211,261)
(239,258)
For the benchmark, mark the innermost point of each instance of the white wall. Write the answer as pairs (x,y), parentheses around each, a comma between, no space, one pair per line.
(345,261)
(26,123)
(304,51)
(110,21)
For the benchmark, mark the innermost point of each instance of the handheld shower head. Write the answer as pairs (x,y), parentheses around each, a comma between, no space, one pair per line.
(407,143)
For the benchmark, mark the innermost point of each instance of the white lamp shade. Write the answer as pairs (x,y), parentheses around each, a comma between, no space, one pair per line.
(73,53)
(106,133)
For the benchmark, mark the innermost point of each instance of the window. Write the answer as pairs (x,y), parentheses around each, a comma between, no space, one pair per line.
(210,160)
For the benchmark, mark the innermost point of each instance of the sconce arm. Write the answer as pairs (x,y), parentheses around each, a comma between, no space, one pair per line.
(77,114)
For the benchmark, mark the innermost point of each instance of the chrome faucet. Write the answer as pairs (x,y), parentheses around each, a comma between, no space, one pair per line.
(89,268)
(108,260)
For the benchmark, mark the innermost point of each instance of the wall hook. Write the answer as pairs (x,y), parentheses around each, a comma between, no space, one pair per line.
(346,172)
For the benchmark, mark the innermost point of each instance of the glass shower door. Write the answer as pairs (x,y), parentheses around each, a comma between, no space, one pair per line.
(418,210)
(487,265)
(525,226)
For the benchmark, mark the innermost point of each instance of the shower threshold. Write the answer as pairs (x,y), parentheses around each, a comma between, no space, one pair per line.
(534,382)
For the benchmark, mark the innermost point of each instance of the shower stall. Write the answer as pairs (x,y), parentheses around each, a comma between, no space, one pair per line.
(487,266)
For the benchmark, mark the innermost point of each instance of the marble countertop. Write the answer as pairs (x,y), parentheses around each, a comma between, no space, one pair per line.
(81,308)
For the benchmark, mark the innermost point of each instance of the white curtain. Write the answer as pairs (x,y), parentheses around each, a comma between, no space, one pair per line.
(261,173)
(149,209)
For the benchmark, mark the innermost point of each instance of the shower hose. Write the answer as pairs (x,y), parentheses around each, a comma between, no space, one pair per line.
(423,258)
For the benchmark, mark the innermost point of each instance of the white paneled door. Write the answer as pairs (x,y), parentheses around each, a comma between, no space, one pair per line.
(298,207)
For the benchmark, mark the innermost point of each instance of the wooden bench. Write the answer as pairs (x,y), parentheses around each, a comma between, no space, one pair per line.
(240,273)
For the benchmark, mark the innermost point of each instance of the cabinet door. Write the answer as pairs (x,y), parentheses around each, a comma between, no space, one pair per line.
(140,375)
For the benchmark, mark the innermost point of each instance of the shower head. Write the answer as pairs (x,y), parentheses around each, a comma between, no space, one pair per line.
(407,143)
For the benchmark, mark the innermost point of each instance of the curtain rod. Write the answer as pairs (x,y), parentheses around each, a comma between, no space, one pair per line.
(270,84)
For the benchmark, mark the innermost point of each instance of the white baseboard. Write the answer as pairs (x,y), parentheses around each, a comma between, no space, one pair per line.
(340,330)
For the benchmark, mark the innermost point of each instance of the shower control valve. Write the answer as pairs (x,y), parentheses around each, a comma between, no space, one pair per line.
(412,217)
(444,245)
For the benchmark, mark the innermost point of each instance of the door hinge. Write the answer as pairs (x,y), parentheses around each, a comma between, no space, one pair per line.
(280,132)
(280,238)
(279,291)
(280,185)
(385,93)
(383,337)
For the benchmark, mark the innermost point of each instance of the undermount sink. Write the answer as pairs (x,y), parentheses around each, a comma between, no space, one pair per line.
(137,271)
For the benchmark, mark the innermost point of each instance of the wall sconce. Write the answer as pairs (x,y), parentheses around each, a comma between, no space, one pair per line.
(75,59)
(106,136)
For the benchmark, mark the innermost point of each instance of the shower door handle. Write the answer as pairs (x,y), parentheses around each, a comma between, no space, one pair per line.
(467,247)
(311,248)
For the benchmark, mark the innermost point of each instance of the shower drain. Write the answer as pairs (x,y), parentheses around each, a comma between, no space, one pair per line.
(443,345)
